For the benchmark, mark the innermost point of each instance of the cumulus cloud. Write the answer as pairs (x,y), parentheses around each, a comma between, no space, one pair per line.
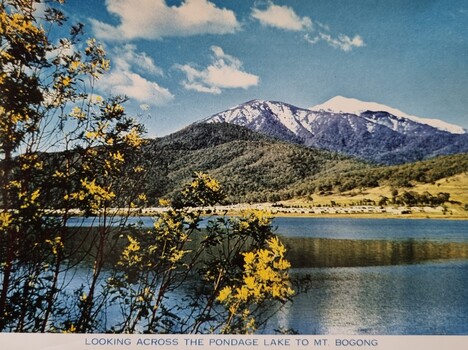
(282,17)
(154,19)
(224,72)
(136,87)
(126,56)
(123,80)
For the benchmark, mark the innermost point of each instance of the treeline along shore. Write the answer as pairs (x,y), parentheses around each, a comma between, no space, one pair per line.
(280,210)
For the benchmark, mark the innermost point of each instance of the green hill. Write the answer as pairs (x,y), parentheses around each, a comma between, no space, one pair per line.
(251,167)
(255,168)
(399,176)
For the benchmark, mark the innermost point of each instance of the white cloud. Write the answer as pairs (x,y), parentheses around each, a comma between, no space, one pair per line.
(135,87)
(225,72)
(126,57)
(342,42)
(154,19)
(285,17)
(282,17)
(123,80)
(39,9)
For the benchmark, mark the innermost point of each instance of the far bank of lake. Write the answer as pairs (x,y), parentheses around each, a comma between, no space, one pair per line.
(358,212)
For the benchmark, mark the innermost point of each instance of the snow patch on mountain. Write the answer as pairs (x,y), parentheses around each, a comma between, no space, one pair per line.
(340,104)
(368,131)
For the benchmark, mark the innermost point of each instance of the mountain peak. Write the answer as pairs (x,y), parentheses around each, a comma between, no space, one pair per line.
(367,130)
(340,104)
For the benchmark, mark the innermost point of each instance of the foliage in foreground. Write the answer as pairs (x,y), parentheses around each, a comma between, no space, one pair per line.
(229,277)
(59,278)
(48,103)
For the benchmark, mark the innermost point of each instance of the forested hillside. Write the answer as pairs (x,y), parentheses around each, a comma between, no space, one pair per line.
(254,168)
(250,166)
(399,176)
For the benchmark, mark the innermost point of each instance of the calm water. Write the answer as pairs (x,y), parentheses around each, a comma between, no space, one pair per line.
(417,299)
(382,229)
(376,276)
(394,229)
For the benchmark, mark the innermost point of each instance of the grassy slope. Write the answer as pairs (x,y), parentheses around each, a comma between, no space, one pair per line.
(456,185)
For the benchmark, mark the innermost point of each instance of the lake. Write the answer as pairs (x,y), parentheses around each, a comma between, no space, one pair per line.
(375,276)
(378,276)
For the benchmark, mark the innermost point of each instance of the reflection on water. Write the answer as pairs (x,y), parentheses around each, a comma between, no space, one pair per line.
(323,252)
(385,229)
(386,287)
(375,276)
(430,298)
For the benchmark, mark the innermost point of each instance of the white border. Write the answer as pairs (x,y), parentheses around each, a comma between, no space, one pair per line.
(36,341)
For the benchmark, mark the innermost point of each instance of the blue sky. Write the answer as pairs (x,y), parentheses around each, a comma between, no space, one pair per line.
(181,61)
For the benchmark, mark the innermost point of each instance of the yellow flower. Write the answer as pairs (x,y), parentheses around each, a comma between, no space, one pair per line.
(78,113)
(250,282)
(35,195)
(117,156)
(242,293)
(138,169)
(164,202)
(5,219)
(276,291)
(71,329)
(276,246)
(74,65)
(176,256)
(134,246)
(66,81)
(249,257)
(224,294)
(263,255)
(91,135)
(133,138)
(58,174)
(282,264)
(266,274)
(96,190)
(130,254)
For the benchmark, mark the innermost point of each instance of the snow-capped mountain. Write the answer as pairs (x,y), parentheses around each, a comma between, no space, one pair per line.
(366,130)
(340,104)
(273,118)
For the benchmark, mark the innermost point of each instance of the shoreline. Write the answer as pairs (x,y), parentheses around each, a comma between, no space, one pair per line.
(376,216)
(282,214)
(360,212)
(365,216)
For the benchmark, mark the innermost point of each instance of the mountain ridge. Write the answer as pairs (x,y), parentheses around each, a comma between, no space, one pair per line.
(340,104)
(255,168)
(376,136)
